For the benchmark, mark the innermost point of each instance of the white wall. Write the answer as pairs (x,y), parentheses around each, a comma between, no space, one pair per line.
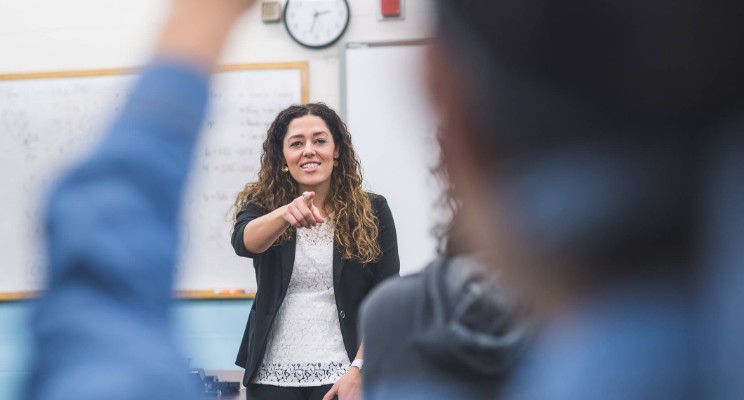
(55,35)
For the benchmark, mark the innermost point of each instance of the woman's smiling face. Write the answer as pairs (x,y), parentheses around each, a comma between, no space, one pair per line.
(309,151)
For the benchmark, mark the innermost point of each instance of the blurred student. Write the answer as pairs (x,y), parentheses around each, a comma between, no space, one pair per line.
(102,326)
(597,151)
(452,331)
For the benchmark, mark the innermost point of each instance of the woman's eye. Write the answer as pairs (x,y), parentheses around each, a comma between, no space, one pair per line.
(295,144)
(321,141)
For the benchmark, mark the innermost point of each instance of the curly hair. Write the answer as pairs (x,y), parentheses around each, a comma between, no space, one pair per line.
(448,230)
(354,222)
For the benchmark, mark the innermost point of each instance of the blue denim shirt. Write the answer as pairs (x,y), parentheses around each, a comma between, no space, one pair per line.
(102,326)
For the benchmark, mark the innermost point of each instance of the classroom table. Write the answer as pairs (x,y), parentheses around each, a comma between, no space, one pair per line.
(231,375)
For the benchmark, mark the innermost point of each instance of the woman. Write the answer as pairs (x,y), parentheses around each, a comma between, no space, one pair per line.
(319,244)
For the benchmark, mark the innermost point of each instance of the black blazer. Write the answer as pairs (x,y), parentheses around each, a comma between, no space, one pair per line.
(351,283)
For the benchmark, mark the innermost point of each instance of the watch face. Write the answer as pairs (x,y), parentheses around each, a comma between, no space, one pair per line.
(316,23)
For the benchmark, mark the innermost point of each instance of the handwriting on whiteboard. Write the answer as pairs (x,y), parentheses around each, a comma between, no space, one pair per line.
(47,124)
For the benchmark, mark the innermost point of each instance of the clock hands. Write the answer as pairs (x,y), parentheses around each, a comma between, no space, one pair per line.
(316,14)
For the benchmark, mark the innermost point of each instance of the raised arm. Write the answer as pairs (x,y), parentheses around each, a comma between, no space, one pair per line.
(101,327)
(196,30)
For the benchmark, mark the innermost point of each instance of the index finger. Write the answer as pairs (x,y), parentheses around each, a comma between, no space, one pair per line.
(332,392)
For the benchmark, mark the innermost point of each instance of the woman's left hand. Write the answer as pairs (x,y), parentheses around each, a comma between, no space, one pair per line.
(347,387)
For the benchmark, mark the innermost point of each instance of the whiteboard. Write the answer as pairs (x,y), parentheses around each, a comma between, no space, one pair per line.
(47,121)
(384,104)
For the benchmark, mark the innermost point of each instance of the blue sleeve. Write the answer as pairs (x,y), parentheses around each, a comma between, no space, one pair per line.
(102,326)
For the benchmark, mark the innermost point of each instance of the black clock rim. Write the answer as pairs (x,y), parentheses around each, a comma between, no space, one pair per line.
(322,46)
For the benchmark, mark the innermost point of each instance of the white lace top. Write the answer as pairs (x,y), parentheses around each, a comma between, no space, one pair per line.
(305,346)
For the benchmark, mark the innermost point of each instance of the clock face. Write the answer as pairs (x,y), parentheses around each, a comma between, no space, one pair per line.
(316,23)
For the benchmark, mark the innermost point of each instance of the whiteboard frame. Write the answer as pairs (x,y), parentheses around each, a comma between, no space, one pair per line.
(302,66)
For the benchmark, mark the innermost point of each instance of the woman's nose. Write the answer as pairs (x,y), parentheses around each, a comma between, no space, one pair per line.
(309,150)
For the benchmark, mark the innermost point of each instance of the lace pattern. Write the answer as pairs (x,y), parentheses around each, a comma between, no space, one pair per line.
(305,346)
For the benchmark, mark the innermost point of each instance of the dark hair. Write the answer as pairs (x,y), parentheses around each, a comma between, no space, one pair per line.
(447,230)
(628,63)
(354,222)
(601,114)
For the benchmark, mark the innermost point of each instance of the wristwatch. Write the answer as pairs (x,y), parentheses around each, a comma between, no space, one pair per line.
(358,363)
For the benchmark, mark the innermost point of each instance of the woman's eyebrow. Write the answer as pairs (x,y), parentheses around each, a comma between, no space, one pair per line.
(300,136)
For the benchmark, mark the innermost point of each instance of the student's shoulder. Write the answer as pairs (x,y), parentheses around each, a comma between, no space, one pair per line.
(392,298)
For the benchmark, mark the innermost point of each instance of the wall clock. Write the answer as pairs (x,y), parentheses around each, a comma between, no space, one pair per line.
(316,24)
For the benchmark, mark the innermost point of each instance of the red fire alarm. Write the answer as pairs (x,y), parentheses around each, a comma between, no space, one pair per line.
(390,8)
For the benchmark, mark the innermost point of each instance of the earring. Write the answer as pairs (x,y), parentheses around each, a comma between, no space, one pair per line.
(285,168)
(335,162)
